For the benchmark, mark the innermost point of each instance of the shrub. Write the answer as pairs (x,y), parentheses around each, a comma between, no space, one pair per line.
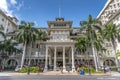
(32,70)
(85,69)
(113,69)
(9,68)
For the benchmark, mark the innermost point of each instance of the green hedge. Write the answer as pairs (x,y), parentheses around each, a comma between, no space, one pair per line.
(92,70)
(32,70)
(9,68)
(113,69)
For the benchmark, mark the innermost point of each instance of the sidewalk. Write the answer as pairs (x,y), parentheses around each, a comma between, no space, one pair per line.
(44,73)
(114,73)
(56,73)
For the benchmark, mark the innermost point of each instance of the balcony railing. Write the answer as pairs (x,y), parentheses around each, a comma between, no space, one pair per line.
(59,26)
(60,40)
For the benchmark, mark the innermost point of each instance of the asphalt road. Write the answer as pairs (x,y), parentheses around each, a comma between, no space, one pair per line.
(59,77)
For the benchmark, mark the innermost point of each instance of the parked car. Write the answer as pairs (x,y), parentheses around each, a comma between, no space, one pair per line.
(18,67)
(1,69)
(119,69)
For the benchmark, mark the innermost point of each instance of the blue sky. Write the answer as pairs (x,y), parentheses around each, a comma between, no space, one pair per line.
(41,11)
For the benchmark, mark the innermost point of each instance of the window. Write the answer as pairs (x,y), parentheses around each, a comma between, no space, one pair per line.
(8,24)
(32,46)
(118,4)
(7,29)
(2,19)
(37,45)
(114,6)
(32,53)
(1,25)
(117,0)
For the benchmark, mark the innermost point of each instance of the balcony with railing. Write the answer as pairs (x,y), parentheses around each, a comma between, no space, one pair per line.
(59,27)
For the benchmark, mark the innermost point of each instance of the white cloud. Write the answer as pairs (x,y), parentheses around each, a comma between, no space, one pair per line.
(20,5)
(10,6)
(35,22)
(4,7)
(13,2)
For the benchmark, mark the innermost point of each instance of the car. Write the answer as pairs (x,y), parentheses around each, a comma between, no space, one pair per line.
(119,69)
(18,67)
(1,69)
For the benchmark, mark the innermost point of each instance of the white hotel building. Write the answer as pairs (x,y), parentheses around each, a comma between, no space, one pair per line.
(111,14)
(59,48)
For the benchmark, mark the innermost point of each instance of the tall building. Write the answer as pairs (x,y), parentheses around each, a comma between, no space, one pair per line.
(110,12)
(10,26)
(8,23)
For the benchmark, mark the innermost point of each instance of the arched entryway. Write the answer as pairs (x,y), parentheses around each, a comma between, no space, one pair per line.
(109,62)
(12,63)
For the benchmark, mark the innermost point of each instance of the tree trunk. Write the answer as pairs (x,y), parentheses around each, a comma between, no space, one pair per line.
(23,55)
(30,53)
(28,71)
(98,60)
(3,65)
(38,54)
(116,58)
(94,55)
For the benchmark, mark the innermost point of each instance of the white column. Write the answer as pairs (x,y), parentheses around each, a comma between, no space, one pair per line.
(34,62)
(64,68)
(50,60)
(73,66)
(69,57)
(55,59)
(46,60)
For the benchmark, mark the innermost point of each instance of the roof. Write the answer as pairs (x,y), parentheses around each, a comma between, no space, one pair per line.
(2,13)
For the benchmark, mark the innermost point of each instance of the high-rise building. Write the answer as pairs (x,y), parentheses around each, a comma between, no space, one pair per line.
(110,12)
(9,25)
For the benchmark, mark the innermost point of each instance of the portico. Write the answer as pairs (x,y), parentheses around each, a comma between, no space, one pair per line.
(59,56)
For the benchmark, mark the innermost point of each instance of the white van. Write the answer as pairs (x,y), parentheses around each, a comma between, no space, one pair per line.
(18,67)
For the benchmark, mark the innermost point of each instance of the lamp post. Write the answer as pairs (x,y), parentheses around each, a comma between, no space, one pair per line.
(87,52)
(89,65)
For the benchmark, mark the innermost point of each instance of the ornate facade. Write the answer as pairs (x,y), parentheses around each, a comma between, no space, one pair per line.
(59,48)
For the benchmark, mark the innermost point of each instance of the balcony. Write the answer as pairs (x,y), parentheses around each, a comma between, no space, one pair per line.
(59,26)
(60,40)
(83,55)
(37,56)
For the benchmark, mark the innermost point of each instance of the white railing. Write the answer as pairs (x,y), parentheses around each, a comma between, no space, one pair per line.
(59,26)
(83,55)
(66,40)
(36,56)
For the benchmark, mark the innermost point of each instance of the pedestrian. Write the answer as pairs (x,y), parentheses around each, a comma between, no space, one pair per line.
(61,69)
(104,69)
(38,69)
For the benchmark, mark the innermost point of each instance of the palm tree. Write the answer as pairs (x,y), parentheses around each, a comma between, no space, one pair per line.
(41,36)
(90,28)
(118,54)
(1,31)
(7,48)
(27,35)
(82,46)
(111,33)
(99,49)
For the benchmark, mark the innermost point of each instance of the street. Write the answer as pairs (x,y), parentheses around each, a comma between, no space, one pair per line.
(59,77)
